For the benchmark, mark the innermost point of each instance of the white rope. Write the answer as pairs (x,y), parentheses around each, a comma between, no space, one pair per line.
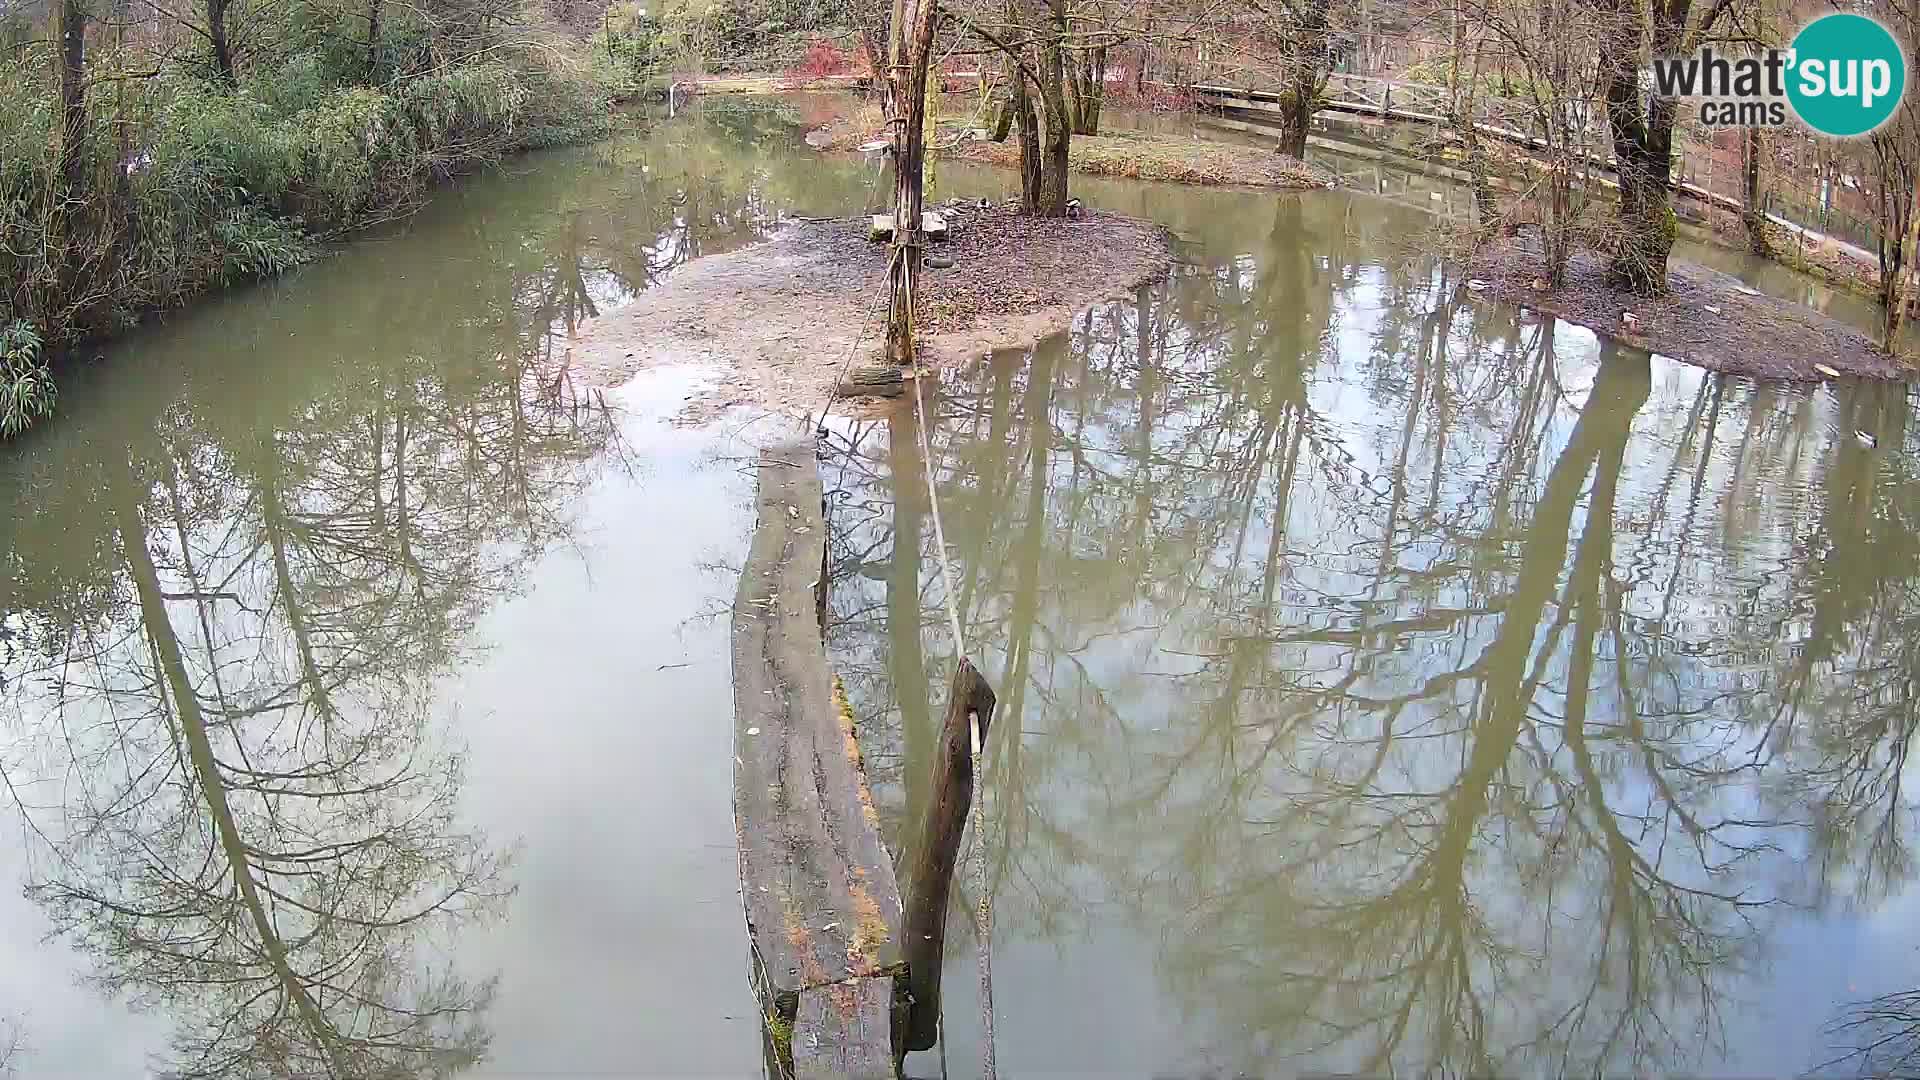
(985,916)
(940,534)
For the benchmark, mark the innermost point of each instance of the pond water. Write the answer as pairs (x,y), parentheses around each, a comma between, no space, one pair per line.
(1388,679)
(360,719)
(1396,682)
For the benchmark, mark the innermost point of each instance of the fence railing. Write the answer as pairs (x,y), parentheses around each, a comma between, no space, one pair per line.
(1812,217)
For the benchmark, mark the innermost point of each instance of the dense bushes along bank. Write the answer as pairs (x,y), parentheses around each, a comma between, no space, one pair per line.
(153,168)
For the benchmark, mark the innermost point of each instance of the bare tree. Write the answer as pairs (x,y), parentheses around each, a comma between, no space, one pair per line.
(1552,43)
(10,1046)
(218,42)
(1753,199)
(1880,1037)
(1896,155)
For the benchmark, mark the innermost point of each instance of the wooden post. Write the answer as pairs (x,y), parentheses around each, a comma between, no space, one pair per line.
(969,697)
(910,53)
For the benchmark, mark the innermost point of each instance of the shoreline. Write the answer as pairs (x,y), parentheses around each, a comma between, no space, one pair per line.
(1707,319)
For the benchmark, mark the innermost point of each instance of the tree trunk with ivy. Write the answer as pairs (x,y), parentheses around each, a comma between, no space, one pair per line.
(373,41)
(1056,121)
(70,81)
(1027,123)
(1642,134)
(1641,127)
(55,296)
(1306,55)
(217,38)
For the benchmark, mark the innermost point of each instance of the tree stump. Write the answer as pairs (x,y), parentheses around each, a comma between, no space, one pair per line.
(930,877)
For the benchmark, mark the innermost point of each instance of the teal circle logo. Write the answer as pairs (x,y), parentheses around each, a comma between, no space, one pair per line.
(1847,75)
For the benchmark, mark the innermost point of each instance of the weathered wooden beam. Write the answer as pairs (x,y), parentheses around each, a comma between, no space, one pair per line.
(933,225)
(818,886)
(844,1031)
(930,877)
(888,381)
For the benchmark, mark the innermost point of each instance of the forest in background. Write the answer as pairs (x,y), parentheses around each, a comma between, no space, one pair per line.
(152,150)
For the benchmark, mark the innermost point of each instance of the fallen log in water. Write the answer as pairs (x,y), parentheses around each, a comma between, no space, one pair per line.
(823,910)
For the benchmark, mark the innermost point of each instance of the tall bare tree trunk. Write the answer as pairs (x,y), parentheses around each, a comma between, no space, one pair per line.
(1753,210)
(373,41)
(217,37)
(1004,114)
(909,53)
(1087,79)
(1897,290)
(1057,138)
(1462,98)
(1027,122)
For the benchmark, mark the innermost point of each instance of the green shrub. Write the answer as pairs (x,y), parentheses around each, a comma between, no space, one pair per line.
(253,245)
(345,144)
(302,82)
(485,100)
(227,148)
(27,392)
(191,185)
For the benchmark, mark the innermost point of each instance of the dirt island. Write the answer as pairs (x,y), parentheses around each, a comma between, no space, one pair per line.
(1706,318)
(781,321)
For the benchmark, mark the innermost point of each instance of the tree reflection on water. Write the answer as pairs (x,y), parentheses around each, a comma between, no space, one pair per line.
(1452,696)
(226,635)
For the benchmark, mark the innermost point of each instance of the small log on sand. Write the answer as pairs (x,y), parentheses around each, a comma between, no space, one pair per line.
(887,381)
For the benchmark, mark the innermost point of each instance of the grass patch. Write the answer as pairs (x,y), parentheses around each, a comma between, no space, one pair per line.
(780,1030)
(1138,156)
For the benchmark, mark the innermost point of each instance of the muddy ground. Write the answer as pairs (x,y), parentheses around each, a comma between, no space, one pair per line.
(1707,318)
(780,321)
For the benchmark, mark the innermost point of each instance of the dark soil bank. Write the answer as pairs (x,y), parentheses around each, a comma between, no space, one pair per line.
(1707,318)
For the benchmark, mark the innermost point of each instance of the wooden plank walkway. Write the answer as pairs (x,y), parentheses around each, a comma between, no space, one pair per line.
(822,906)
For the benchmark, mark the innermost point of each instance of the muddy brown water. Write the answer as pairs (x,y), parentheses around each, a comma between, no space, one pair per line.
(1390,680)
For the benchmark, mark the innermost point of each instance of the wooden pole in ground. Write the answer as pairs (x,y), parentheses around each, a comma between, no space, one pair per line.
(969,699)
(910,55)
